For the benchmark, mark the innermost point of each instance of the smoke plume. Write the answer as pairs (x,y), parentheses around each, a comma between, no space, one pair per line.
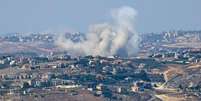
(107,39)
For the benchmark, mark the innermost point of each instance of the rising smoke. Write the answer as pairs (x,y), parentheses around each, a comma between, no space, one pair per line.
(107,39)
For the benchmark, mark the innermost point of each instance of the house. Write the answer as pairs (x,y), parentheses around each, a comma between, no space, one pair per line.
(135,88)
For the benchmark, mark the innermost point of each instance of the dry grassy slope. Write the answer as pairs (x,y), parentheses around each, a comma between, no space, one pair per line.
(189,74)
(173,70)
(40,47)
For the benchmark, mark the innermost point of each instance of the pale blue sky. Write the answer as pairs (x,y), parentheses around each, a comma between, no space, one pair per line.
(77,15)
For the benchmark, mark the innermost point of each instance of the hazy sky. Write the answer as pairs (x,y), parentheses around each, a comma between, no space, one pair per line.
(77,15)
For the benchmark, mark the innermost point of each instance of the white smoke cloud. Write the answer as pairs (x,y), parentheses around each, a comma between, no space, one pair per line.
(107,39)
